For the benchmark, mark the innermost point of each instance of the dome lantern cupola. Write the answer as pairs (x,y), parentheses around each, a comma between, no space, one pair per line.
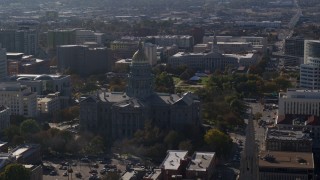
(139,56)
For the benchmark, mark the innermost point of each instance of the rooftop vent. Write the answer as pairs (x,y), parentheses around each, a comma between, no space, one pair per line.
(269,158)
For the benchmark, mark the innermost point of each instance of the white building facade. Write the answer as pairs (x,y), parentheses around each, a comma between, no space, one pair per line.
(310,70)
(49,104)
(299,102)
(83,36)
(44,84)
(19,99)
(182,41)
(151,52)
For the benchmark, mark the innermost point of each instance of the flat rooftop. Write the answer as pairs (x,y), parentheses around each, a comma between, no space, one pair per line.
(287,135)
(310,94)
(154,175)
(3,143)
(172,161)
(280,159)
(201,161)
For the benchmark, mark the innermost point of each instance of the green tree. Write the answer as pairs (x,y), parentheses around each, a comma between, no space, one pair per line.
(172,139)
(70,113)
(96,146)
(218,142)
(185,145)
(15,172)
(282,83)
(164,83)
(29,126)
(11,131)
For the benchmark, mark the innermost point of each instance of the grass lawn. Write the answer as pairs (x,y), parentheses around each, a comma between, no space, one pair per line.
(204,80)
(176,80)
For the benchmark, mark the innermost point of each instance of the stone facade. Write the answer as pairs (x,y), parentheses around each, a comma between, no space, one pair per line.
(120,114)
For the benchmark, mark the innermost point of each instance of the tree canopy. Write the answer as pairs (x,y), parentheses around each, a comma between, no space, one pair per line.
(29,126)
(15,172)
(164,83)
(218,141)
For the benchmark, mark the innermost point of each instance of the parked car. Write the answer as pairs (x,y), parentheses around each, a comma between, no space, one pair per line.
(53,173)
(93,171)
(85,160)
(103,171)
(78,175)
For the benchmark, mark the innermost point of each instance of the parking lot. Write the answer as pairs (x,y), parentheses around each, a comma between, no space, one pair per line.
(58,169)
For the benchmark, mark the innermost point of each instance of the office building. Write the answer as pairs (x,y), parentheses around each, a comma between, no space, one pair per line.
(4,117)
(27,154)
(49,104)
(151,52)
(286,165)
(3,64)
(5,159)
(310,70)
(299,102)
(182,41)
(257,43)
(44,84)
(4,147)
(35,171)
(60,37)
(225,47)
(212,61)
(7,39)
(174,165)
(18,63)
(26,41)
(83,36)
(18,98)
(123,49)
(307,124)
(288,140)
(119,114)
(201,166)
(294,46)
(164,53)
(258,24)
(83,60)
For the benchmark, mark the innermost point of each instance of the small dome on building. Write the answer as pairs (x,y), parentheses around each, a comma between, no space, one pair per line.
(139,56)
(43,77)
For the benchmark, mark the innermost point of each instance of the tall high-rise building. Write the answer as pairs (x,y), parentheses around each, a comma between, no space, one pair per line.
(3,63)
(85,36)
(26,41)
(310,70)
(294,46)
(7,39)
(83,60)
(60,37)
(151,52)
